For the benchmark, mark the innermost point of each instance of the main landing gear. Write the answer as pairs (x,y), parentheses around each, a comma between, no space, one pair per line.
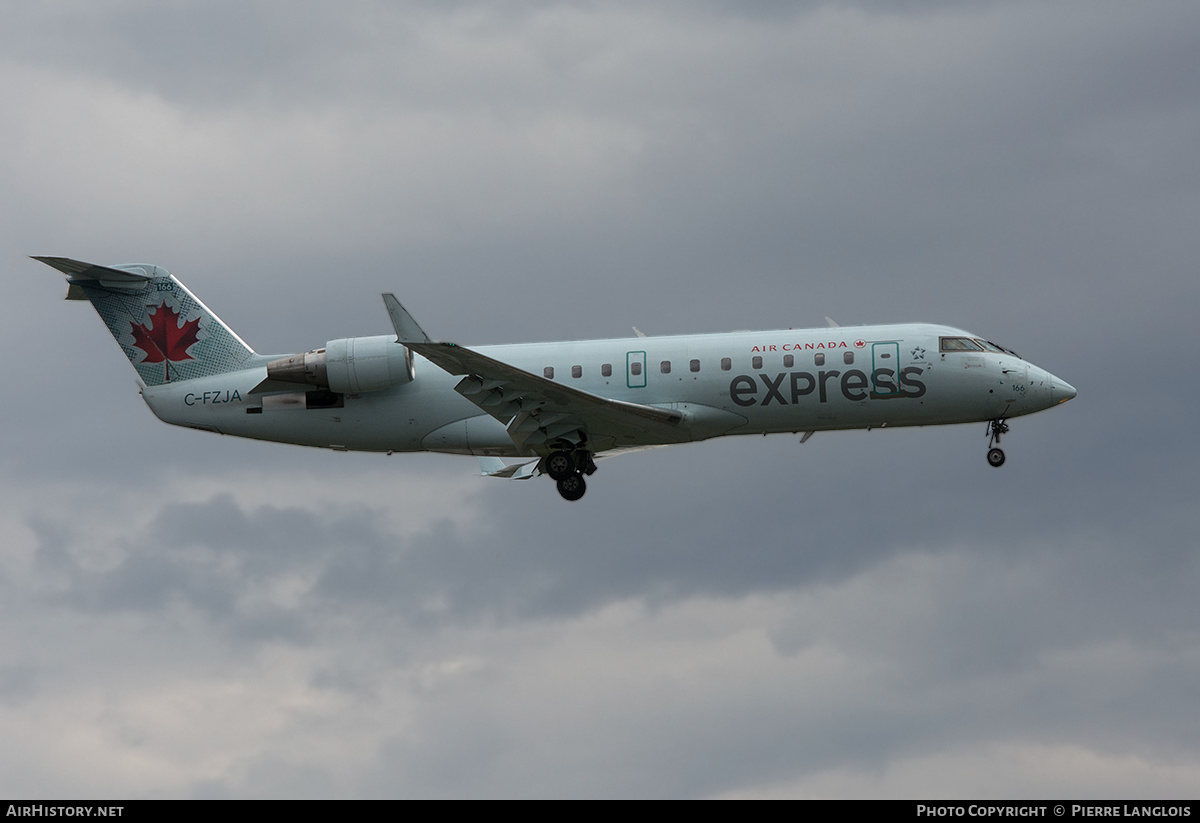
(995,455)
(567,468)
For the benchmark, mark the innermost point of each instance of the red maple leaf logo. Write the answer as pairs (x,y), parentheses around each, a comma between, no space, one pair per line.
(166,340)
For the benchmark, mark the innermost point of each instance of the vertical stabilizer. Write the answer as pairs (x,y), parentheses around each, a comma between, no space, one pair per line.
(165,331)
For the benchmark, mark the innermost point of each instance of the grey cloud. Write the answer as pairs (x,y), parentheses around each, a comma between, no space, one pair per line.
(18,684)
(1022,170)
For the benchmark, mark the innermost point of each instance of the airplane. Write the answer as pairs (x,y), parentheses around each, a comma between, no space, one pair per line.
(555,406)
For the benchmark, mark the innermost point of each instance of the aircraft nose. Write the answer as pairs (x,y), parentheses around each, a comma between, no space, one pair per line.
(1061,391)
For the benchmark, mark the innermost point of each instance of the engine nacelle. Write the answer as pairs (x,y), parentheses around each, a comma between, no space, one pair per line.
(352,365)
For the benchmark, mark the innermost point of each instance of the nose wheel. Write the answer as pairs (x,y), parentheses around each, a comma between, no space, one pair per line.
(995,455)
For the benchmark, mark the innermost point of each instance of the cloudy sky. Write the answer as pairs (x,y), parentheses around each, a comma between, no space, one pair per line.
(867,615)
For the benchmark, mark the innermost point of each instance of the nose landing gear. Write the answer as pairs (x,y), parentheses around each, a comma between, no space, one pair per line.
(995,456)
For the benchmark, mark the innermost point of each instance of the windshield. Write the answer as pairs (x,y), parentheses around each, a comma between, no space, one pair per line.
(960,344)
(949,344)
(989,346)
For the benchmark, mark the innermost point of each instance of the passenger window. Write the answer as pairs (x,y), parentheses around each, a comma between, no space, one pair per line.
(577,371)
(635,368)
(726,364)
(549,372)
(819,358)
(665,366)
(694,365)
(848,358)
(756,362)
(606,370)
(788,361)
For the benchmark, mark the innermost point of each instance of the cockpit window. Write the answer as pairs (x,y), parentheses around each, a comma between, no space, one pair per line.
(992,347)
(960,344)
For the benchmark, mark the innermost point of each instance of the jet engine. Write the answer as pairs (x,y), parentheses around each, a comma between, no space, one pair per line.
(352,365)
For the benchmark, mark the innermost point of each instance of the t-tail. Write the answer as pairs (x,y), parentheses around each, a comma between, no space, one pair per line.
(165,331)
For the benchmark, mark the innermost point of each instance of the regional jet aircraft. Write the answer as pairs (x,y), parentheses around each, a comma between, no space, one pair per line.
(555,406)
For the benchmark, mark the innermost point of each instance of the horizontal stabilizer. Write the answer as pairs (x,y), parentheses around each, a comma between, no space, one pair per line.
(132,278)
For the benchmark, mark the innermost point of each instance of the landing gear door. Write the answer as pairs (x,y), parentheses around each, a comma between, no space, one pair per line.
(635,369)
(885,369)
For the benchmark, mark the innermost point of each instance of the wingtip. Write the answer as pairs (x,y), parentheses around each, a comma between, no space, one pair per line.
(407,329)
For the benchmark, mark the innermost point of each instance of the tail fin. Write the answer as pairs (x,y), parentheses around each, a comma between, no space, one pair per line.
(167,334)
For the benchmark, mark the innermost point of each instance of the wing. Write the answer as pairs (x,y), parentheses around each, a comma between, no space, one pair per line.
(538,413)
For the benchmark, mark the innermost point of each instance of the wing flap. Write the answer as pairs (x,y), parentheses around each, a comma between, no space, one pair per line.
(495,467)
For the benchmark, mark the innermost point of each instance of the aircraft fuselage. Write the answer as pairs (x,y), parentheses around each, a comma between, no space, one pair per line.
(735,383)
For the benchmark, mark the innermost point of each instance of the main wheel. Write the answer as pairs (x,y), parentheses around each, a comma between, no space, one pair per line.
(572,487)
(996,457)
(560,465)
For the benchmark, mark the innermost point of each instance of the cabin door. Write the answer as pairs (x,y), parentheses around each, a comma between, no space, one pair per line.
(635,369)
(885,357)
